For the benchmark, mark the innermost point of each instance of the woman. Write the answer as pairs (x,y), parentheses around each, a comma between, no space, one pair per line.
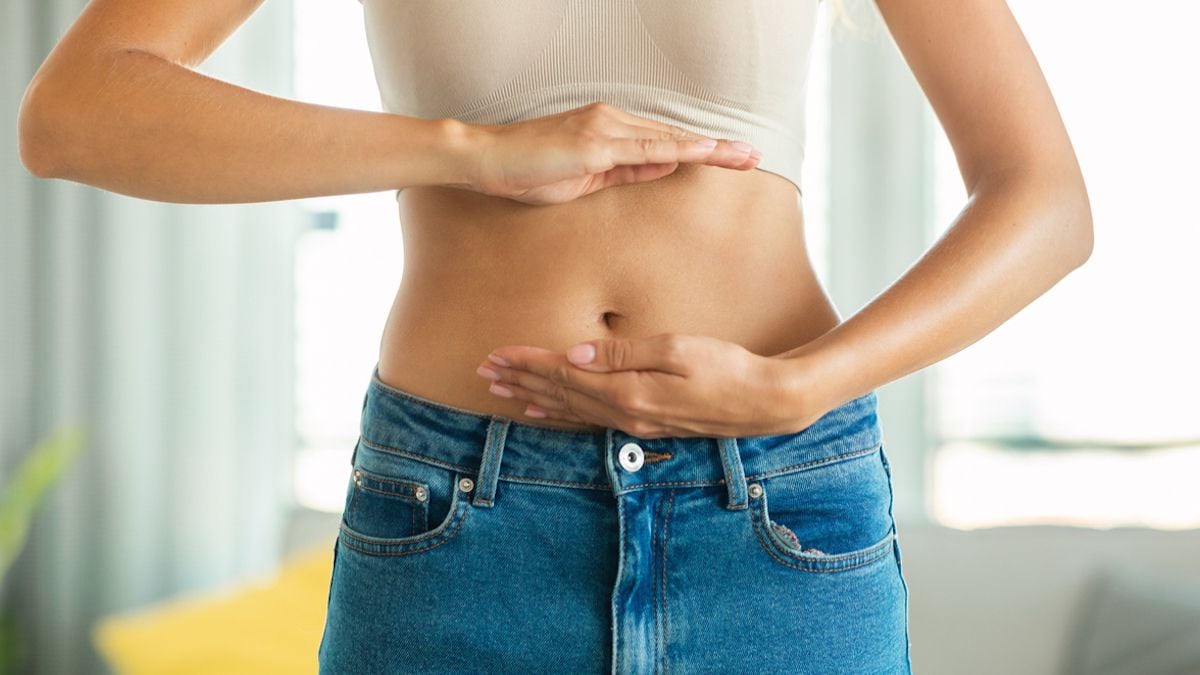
(616,423)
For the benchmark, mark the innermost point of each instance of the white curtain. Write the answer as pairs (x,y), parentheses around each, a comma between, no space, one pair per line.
(166,330)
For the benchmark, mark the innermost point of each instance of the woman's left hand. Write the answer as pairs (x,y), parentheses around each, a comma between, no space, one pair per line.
(663,385)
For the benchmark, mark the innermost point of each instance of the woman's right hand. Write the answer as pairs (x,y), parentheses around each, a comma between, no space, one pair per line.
(557,158)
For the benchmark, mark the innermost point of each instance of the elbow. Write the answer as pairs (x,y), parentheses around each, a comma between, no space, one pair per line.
(1080,226)
(37,131)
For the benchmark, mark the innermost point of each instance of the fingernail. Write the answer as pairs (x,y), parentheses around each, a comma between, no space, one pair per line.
(740,146)
(501,390)
(499,359)
(756,154)
(707,142)
(581,353)
(488,373)
(534,412)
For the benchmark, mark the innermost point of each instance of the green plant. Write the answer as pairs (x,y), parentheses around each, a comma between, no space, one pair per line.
(18,502)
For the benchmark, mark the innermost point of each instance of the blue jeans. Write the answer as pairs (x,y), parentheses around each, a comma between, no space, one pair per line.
(472,542)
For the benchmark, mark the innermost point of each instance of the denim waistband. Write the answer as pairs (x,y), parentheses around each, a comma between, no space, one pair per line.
(403,423)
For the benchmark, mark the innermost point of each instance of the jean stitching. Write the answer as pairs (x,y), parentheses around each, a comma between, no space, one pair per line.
(666,614)
(873,555)
(816,462)
(410,484)
(379,447)
(654,581)
(620,579)
(408,494)
(449,536)
(728,473)
(460,513)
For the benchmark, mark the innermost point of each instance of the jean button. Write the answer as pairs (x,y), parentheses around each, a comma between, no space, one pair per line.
(631,457)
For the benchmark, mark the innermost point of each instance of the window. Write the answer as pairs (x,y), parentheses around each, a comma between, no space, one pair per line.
(348,265)
(1083,409)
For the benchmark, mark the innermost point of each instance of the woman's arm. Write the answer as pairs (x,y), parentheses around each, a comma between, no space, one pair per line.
(117,105)
(1026,225)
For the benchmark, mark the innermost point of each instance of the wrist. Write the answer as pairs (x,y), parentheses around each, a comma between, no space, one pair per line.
(462,146)
(805,382)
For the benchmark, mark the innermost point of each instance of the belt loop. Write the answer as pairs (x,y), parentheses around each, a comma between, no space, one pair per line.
(489,467)
(735,476)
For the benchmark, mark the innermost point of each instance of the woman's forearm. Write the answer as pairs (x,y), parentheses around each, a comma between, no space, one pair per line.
(1017,236)
(132,122)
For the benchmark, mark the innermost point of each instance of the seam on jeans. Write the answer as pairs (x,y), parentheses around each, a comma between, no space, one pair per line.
(448,537)
(873,555)
(616,594)
(666,614)
(373,476)
(459,510)
(816,462)
(654,589)
(472,470)
(409,495)
(727,469)
(550,481)
(605,486)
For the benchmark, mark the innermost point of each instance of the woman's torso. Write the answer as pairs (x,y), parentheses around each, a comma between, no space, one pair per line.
(703,251)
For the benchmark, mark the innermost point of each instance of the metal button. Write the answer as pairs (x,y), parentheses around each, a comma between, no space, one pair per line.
(420,493)
(755,490)
(466,484)
(357,477)
(631,456)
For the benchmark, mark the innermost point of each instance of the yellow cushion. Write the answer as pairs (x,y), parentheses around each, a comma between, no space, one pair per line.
(268,627)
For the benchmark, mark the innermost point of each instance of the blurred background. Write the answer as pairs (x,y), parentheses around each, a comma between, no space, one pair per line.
(214,359)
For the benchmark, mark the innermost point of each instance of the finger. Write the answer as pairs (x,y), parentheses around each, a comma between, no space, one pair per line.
(650,150)
(536,411)
(634,173)
(666,352)
(536,399)
(561,395)
(513,362)
(664,130)
(728,154)
(565,401)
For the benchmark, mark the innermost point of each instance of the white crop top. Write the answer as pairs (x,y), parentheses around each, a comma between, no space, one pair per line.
(734,69)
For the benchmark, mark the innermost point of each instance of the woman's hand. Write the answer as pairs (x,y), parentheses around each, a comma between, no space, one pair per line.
(664,385)
(557,158)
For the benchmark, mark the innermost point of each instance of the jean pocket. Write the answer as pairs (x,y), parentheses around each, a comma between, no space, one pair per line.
(827,518)
(397,504)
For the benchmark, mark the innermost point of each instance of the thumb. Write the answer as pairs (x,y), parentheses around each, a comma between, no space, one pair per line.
(611,354)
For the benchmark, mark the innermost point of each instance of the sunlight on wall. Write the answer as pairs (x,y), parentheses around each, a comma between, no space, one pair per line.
(1109,356)
(345,276)
(981,486)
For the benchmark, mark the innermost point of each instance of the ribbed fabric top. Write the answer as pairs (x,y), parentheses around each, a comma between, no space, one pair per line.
(725,69)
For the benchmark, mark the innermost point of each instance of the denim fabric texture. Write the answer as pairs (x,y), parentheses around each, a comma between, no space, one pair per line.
(476,543)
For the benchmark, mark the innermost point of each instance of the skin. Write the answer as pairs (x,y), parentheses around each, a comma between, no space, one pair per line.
(684,267)
(1027,223)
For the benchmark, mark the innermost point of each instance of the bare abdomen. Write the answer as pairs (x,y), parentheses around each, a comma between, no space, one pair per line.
(705,251)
